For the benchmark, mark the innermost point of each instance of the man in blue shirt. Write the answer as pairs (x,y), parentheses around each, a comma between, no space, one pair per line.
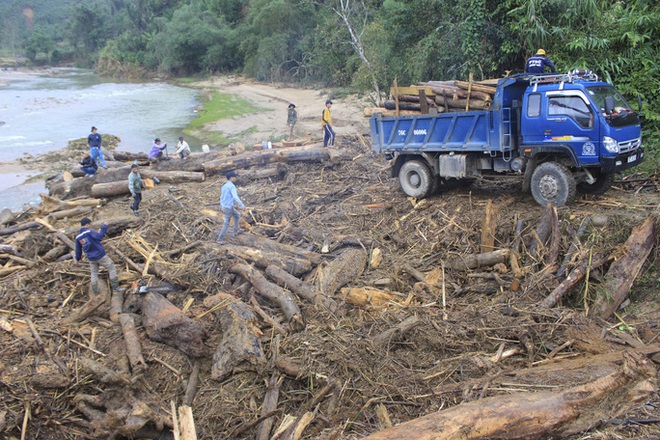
(228,201)
(537,63)
(96,148)
(89,241)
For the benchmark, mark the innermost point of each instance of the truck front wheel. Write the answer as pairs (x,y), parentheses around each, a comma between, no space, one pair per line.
(600,186)
(416,179)
(552,183)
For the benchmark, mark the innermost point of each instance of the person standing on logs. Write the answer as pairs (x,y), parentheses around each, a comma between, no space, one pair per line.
(89,241)
(95,144)
(326,124)
(538,62)
(291,119)
(135,185)
(229,200)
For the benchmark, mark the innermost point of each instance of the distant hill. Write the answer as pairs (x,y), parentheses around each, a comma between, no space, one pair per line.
(26,15)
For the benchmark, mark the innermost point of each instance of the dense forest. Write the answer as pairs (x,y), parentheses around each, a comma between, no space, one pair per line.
(361,44)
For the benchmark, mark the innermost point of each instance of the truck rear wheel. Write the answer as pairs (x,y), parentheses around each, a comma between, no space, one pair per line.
(600,186)
(552,183)
(416,179)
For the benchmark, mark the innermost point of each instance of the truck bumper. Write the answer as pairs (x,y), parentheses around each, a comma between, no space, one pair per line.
(623,161)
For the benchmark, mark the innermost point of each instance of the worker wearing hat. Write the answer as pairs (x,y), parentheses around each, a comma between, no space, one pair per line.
(538,62)
(291,119)
(182,148)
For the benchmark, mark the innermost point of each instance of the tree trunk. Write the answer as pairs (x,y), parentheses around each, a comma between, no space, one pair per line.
(301,288)
(273,292)
(478,260)
(263,259)
(119,187)
(624,270)
(240,335)
(132,341)
(263,243)
(165,323)
(346,267)
(556,414)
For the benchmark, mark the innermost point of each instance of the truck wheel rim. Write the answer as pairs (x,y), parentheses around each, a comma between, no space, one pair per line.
(549,187)
(414,180)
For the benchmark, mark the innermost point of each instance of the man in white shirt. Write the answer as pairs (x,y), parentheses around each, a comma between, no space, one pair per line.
(182,148)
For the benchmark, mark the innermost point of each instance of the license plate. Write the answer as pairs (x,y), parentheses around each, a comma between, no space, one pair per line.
(632,158)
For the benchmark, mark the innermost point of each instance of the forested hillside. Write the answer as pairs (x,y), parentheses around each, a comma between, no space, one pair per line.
(363,44)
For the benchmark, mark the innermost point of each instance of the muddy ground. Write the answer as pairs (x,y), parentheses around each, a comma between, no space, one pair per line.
(346,367)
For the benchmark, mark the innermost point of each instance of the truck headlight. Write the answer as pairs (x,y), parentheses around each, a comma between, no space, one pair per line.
(610,144)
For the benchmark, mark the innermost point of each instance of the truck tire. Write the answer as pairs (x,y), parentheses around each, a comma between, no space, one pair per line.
(416,179)
(600,186)
(552,183)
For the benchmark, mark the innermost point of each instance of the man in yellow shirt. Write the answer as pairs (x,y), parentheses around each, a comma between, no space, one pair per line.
(326,124)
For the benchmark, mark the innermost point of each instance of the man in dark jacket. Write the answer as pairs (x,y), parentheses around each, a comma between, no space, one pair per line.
(89,241)
(538,62)
(88,165)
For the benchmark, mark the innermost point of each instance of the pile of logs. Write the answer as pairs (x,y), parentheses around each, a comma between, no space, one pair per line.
(437,97)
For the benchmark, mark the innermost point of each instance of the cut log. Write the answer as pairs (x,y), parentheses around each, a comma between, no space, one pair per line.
(368,296)
(269,405)
(20,227)
(224,165)
(81,186)
(571,280)
(542,232)
(119,187)
(301,288)
(89,308)
(478,260)
(263,243)
(474,104)
(535,415)
(51,204)
(273,292)
(458,93)
(240,336)
(277,173)
(476,87)
(132,341)
(623,272)
(116,306)
(346,267)
(125,156)
(263,259)
(489,228)
(194,162)
(78,211)
(191,387)
(164,322)
(392,105)
(572,249)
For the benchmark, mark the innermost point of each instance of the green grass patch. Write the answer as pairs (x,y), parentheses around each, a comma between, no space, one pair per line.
(221,106)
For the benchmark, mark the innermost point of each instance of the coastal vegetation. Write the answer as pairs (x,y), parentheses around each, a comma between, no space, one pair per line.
(360,44)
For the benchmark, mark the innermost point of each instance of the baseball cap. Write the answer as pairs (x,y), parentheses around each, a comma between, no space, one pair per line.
(180,138)
(85,221)
(328,102)
(94,128)
(292,105)
(231,174)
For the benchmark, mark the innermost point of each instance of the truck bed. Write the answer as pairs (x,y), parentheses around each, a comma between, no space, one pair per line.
(467,131)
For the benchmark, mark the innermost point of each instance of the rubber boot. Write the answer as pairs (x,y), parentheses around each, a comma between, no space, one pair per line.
(115,286)
(95,289)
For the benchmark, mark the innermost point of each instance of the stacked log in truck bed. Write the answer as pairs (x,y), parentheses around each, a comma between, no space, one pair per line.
(433,97)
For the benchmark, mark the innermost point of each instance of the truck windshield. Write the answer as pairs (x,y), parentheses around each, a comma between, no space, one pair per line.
(623,114)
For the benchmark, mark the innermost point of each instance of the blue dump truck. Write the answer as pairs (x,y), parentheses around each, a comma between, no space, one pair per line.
(563,133)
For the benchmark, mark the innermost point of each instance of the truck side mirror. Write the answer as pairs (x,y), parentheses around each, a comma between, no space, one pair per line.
(609,105)
(639,102)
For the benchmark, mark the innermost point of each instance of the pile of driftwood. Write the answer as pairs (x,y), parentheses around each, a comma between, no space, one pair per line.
(346,310)
(437,97)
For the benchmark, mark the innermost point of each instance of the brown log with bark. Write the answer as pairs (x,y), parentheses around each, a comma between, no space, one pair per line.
(555,239)
(277,173)
(120,187)
(269,405)
(301,288)
(263,243)
(489,228)
(474,104)
(474,261)
(20,227)
(369,296)
(89,308)
(254,158)
(392,105)
(133,345)
(574,277)
(458,93)
(542,231)
(273,292)
(166,323)
(194,162)
(69,189)
(347,266)
(50,204)
(556,414)
(416,99)
(78,211)
(476,87)
(623,272)
(263,259)
(240,336)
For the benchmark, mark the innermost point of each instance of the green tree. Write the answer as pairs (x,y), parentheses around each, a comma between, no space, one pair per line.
(39,44)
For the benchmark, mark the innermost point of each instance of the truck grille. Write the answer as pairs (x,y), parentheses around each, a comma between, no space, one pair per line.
(631,145)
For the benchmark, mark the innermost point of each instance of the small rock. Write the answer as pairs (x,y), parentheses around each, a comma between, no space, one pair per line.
(599,220)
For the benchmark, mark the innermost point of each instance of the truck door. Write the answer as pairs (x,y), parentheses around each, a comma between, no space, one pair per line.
(566,119)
